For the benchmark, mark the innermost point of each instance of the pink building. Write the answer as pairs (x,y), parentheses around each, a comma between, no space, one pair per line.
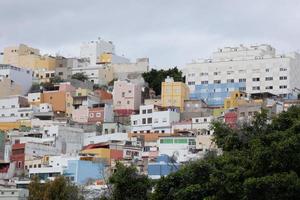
(127,97)
(96,115)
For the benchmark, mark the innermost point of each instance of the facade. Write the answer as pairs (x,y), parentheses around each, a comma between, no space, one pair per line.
(178,147)
(124,69)
(14,80)
(28,57)
(173,94)
(254,69)
(14,109)
(13,194)
(127,97)
(153,120)
(94,49)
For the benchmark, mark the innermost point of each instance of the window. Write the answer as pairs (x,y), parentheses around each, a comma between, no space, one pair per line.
(129,91)
(269,87)
(22,115)
(203,74)
(242,80)
(60,73)
(217,73)
(91,114)
(255,79)
(230,72)
(12,114)
(123,94)
(144,111)
(205,120)
(267,70)
(242,71)
(197,120)
(282,78)
(283,69)
(217,81)
(149,120)
(269,78)
(282,86)
(135,122)
(128,102)
(204,82)
(164,120)
(230,80)
(13,106)
(256,88)
(144,121)
(191,83)
(149,110)
(98,114)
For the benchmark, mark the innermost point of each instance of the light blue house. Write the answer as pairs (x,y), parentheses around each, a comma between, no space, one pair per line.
(79,171)
(162,167)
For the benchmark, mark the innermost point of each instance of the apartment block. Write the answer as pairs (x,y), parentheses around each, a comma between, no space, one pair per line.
(252,69)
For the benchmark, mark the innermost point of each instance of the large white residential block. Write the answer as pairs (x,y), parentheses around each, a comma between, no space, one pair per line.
(253,69)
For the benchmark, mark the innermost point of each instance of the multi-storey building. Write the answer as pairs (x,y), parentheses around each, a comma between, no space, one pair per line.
(173,93)
(14,80)
(94,49)
(153,120)
(127,97)
(254,69)
(28,57)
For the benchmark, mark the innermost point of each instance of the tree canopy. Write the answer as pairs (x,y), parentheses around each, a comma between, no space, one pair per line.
(80,76)
(59,189)
(260,160)
(155,77)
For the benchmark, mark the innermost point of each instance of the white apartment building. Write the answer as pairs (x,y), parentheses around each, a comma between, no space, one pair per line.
(152,120)
(14,108)
(253,69)
(18,76)
(93,49)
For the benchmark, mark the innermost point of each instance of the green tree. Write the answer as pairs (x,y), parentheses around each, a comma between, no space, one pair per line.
(80,76)
(260,160)
(127,184)
(155,77)
(56,79)
(59,189)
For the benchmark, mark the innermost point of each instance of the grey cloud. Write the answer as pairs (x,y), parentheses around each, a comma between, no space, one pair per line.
(170,32)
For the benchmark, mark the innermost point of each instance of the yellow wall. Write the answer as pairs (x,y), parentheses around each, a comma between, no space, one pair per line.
(105,58)
(27,57)
(174,94)
(234,99)
(99,152)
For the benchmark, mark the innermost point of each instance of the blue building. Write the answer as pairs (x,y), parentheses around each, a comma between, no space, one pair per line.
(162,167)
(79,171)
(215,94)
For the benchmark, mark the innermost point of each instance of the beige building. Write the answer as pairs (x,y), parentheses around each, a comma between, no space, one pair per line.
(28,57)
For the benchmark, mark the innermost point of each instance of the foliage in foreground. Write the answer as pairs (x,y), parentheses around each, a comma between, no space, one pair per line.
(59,189)
(260,161)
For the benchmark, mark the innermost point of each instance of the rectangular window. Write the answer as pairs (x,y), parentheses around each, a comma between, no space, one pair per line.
(242,80)
(191,83)
(269,87)
(269,78)
(144,111)
(282,78)
(242,88)
(230,80)
(217,73)
(255,79)
(149,110)
(204,82)
(283,69)
(180,141)
(282,86)
(230,72)
(256,88)
(144,121)
(267,70)
(166,141)
(217,81)
(149,120)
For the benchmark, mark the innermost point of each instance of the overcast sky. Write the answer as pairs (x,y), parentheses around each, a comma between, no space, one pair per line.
(169,32)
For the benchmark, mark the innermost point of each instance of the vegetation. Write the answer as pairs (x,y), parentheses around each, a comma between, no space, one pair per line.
(80,76)
(128,184)
(56,79)
(260,161)
(155,77)
(59,189)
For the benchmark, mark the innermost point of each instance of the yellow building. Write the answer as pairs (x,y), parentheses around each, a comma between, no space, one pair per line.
(28,57)
(8,88)
(238,98)
(173,93)
(234,99)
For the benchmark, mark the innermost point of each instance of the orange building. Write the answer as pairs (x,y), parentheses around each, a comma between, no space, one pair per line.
(56,98)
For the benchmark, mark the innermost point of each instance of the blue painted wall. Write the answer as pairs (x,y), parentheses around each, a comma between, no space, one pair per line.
(215,94)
